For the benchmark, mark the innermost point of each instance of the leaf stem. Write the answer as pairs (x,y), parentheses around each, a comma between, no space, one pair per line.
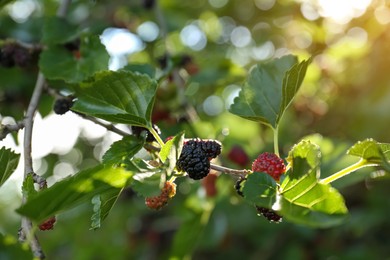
(354,167)
(156,136)
(276,140)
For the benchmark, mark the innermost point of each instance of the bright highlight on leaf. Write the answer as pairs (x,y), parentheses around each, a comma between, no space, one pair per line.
(269,89)
(119,97)
(74,191)
(303,198)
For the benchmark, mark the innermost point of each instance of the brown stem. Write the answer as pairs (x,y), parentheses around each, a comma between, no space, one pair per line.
(6,129)
(240,173)
(109,127)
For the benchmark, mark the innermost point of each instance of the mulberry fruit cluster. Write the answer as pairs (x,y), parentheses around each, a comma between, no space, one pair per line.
(167,192)
(195,157)
(269,214)
(62,105)
(48,224)
(269,163)
(12,55)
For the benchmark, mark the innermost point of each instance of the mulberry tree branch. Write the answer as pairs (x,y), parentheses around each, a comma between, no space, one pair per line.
(26,232)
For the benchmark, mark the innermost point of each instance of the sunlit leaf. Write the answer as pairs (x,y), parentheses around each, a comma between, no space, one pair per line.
(171,150)
(73,191)
(370,150)
(123,149)
(58,63)
(303,199)
(8,163)
(118,96)
(269,89)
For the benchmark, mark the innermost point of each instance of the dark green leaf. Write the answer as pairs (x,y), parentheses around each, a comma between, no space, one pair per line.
(122,150)
(74,191)
(8,163)
(171,151)
(57,63)
(102,205)
(260,189)
(269,90)
(58,30)
(148,184)
(118,96)
(303,199)
(141,68)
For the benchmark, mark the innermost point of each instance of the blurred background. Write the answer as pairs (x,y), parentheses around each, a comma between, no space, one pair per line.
(212,44)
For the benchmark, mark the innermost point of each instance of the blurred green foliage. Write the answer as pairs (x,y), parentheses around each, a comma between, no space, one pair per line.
(345,97)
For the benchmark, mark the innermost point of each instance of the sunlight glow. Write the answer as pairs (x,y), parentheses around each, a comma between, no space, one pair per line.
(342,11)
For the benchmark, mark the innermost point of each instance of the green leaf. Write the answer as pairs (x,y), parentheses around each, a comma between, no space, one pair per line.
(28,187)
(292,81)
(57,63)
(303,199)
(170,152)
(58,30)
(118,96)
(102,205)
(122,150)
(260,189)
(8,163)
(370,150)
(269,89)
(73,191)
(141,68)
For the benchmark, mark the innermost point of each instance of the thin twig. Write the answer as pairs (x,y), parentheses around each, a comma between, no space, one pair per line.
(26,231)
(240,173)
(63,8)
(6,129)
(109,127)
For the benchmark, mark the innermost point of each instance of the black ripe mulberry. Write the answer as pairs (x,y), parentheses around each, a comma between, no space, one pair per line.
(269,214)
(62,105)
(195,157)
